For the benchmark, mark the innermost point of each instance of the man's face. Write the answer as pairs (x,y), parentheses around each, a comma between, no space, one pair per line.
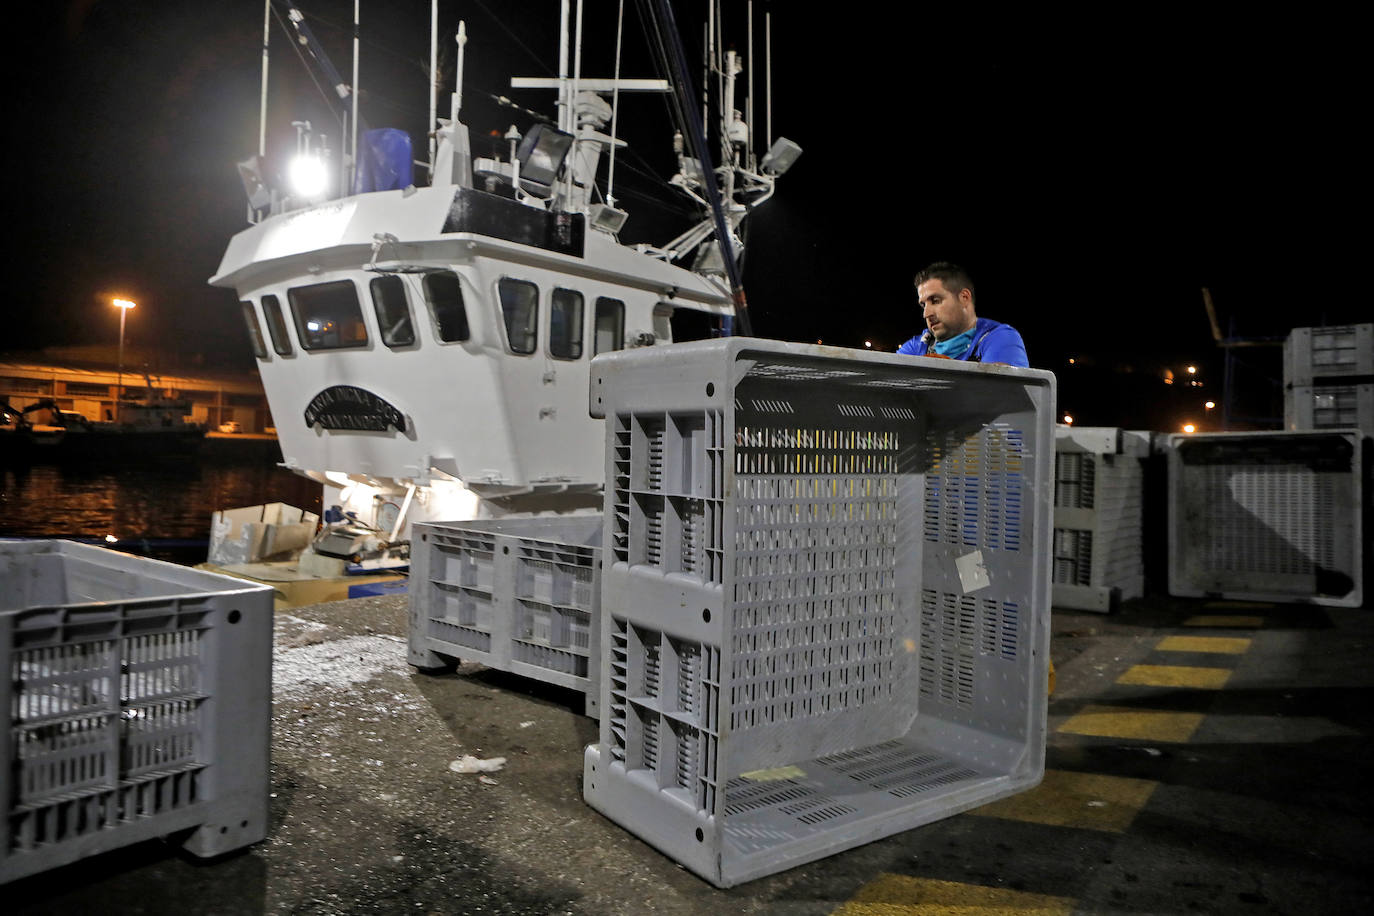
(947,314)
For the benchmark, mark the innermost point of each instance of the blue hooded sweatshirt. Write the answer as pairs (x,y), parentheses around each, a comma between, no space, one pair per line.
(993,342)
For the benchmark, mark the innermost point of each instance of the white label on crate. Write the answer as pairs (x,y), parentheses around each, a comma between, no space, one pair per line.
(973,575)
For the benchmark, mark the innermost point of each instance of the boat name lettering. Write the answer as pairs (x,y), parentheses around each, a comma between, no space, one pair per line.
(350,407)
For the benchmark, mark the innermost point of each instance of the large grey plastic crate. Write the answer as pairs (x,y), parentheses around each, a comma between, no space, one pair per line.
(825,599)
(515,594)
(139,700)
(1267,516)
(1098,517)
(1307,407)
(1313,354)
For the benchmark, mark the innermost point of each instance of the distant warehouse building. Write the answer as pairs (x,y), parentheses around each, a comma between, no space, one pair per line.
(82,383)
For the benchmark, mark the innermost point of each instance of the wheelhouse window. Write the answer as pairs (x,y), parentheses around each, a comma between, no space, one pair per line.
(393,311)
(610,325)
(520,309)
(250,318)
(445,297)
(565,324)
(328,315)
(276,325)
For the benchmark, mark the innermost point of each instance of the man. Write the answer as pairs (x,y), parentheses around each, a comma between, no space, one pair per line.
(953,330)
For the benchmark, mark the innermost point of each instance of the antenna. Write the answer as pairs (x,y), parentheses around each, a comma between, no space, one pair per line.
(572,109)
(706,35)
(266,38)
(433,83)
(563,106)
(768,66)
(352,168)
(615,106)
(749,106)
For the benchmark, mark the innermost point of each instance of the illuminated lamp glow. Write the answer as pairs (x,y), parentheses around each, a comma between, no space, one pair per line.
(451,499)
(308,176)
(1189,428)
(1068,420)
(1210,404)
(306,230)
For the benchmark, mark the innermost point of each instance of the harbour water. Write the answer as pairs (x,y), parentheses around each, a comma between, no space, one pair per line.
(154,501)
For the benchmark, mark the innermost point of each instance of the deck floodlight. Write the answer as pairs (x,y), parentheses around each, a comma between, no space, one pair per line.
(780,157)
(250,173)
(308,176)
(541,154)
(607,218)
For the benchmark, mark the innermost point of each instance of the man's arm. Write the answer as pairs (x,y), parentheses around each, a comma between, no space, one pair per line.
(913,347)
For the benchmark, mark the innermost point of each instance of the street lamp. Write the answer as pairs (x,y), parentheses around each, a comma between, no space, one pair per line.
(123,305)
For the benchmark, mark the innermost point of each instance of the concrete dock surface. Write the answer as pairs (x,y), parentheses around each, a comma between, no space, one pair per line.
(1203,757)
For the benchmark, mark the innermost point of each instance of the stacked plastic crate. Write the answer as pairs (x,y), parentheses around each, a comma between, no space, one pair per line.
(1328,376)
(515,594)
(139,703)
(1268,516)
(825,596)
(1098,516)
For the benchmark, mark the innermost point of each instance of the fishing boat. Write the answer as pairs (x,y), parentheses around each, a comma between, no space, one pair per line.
(149,428)
(424,339)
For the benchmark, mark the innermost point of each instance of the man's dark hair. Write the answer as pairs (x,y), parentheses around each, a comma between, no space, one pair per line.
(952,276)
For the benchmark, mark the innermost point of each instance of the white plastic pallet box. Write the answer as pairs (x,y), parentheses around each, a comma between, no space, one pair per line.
(825,596)
(1268,516)
(1329,406)
(138,696)
(1098,517)
(1327,353)
(514,594)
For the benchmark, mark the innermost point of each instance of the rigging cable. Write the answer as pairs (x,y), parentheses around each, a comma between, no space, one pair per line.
(309,70)
(698,139)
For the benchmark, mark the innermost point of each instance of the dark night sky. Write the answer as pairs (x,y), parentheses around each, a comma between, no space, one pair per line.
(1093,173)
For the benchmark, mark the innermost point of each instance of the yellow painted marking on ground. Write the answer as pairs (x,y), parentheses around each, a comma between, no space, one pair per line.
(1146,724)
(1091,801)
(1176,676)
(1220,645)
(901,895)
(1237,621)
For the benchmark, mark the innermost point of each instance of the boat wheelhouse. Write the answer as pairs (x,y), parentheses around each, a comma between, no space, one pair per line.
(429,345)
